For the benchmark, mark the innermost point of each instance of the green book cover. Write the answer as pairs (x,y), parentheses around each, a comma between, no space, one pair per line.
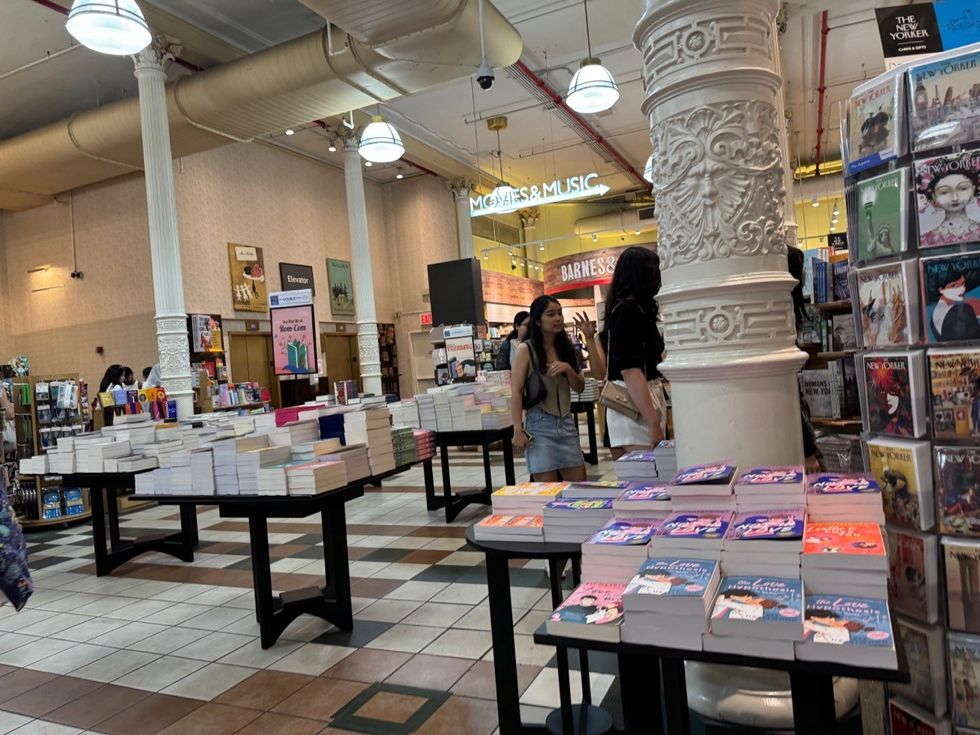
(881,216)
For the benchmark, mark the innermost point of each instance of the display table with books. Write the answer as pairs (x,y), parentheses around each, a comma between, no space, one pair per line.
(588,408)
(455,502)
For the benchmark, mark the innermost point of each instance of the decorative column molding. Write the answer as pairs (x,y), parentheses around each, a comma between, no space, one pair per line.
(161,208)
(712,102)
(462,188)
(367,318)
(789,208)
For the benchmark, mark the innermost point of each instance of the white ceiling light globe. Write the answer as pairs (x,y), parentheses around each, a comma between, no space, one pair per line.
(648,169)
(380,142)
(114,27)
(593,88)
(505,194)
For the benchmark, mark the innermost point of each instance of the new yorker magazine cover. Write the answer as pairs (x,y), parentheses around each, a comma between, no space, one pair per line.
(926,657)
(958,490)
(900,467)
(884,294)
(912,584)
(889,393)
(873,119)
(945,102)
(964,675)
(955,376)
(948,192)
(951,297)
(881,215)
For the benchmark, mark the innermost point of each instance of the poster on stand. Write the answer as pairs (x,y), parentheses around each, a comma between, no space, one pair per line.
(294,349)
(341,282)
(248,289)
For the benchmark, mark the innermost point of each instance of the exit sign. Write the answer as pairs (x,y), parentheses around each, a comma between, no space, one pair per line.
(425,320)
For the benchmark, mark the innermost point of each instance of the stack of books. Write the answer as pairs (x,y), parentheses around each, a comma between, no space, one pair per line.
(665,454)
(297,432)
(403,445)
(757,616)
(514,528)
(764,542)
(202,471)
(642,501)
(845,559)
(762,488)
(61,462)
(691,535)
(427,411)
(609,489)
(847,630)
(332,424)
(591,612)
(91,456)
(179,474)
(494,419)
(668,601)
(639,465)
(704,487)
(405,413)
(308,451)
(225,452)
(464,413)
(526,499)
(425,444)
(573,521)
(37,465)
(250,462)
(832,497)
(371,426)
(313,478)
(355,459)
(132,463)
(615,551)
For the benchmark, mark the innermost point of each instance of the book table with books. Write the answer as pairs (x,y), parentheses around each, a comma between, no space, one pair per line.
(455,502)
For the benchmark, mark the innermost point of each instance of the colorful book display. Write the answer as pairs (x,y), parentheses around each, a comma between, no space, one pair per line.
(949,199)
(913,583)
(962,559)
(694,535)
(643,501)
(950,119)
(895,389)
(672,585)
(964,676)
(704,479)
(955,377)
(615,551)
(759,607)
(847,630)
(925,652)
(509,528)
(592,612)
(831,496)
(958,490)
(844,545)
(951,297)
(873,121)
(881,215)
(903,470)
(887,297)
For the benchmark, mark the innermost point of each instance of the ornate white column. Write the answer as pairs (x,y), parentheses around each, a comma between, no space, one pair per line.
(161,208)
(712,100)
(367,318)
(789,208)
(464,227)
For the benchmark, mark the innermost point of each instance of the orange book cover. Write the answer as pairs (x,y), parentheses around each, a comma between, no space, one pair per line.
(546,489)
(861,539)
(508,521)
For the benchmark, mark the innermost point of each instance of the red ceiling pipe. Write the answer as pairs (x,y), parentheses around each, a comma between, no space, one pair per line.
(592,132)
(821,88)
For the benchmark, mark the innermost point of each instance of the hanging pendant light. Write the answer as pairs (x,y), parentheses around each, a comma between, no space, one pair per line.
(114,27)
(648,169)
(593,88)
(380,142)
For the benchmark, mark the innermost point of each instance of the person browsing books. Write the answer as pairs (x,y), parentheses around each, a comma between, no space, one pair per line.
(111,380)
(508,347)
(542,378)
(634,348)
(128,379)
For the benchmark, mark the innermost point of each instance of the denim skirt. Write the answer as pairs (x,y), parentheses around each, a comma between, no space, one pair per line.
(556,443)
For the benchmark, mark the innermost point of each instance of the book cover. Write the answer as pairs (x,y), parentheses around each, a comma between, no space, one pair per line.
(964,676)
(695,526)
(844,335)
(839,275)
(759,598)
(511,522)
(672,577)
(818,391)
(955,378)
(907,719)
(872,125)
(625,533)
(951,297)
(962,584)
(570,504)
(592,604)
(602,484)
(852,396)
(638,455)
(776,477)
(717,473)
(958,490)
(644,493)
(854,539)
(531,489)
(883,293)
(913,570)
(943,98)
(829,484)
(891,395)
(903,470)
(949,199)
(853,621)
(881,215)
(925,652)
(770,525)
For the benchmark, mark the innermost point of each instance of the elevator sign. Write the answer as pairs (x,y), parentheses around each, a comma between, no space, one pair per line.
(559,190)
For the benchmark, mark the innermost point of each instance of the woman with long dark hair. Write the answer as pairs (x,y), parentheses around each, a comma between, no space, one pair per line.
(508,347)
(634,350)
(543,374)
(814,457)
(112,380)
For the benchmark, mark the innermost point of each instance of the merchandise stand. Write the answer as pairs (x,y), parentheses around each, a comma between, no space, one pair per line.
(588,408)
(455,502)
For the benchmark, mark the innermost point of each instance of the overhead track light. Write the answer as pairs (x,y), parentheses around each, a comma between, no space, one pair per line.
(593,88)
(115,27)
(814,203)
(380,142)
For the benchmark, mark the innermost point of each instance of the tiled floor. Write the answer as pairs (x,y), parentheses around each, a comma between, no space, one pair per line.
(166,647)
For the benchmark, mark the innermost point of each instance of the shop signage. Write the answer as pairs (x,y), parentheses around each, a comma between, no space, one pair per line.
(248,290)
(454,332)
(251,325)
(593,268)
(290,298)
(295,277)
(502,288)
(294,340)
(559,190)
(341,282)
(837,241)
(914,32)
(425,319)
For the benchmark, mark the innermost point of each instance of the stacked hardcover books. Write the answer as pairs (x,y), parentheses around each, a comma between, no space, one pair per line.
(691,535)
(831,497)
(642,501)
(845,558)
(757,616)
(313,478)
(608,489)
(425,444)
(638,465)
(355,459)
(527,499)
(573,521)
(764,488)
(764,542)
(615,551)
(403,445)
(371,426)
(704,487)
(251,461)
(527,529)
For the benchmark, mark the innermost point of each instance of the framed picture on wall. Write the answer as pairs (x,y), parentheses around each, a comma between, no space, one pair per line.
(294,340)
(248,288)
(341,282)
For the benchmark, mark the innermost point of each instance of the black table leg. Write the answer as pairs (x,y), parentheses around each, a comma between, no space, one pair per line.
(509,459)
(675,696)
(112,510)
(487,472)
(188,525)
(814,711)
(504,654)
(97,500)
(593,456)
(639,684)
(447,488)
(337,594)
(555,567)
(431,501)
(258,532)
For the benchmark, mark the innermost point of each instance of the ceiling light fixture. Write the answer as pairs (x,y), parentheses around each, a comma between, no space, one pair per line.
(290,131)
(486,255)
(541,246)
(595,237)
(368,163)
(503,193)
(814,202)
(593,88)
(115,27)
(399,175)
(836,210)
(332,148)
(648,169)
(380,142)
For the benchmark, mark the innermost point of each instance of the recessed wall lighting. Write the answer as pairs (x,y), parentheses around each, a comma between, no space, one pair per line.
(814,202)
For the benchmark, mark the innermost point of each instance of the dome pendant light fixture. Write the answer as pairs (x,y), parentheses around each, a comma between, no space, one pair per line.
(593,88)
(115,27)
(504,193)
(380,142)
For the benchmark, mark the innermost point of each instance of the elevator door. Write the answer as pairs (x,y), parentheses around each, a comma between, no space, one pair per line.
(251,360)
(341,356)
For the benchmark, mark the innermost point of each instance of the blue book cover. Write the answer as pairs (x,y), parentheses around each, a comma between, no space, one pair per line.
(717,473)
(602,484)
(792,475)
(583,504)
(625,533)
(672,577)
(769,525)
(639,491)
(833,483)
(638,455)
(695,525)
(853,621)
(759,598)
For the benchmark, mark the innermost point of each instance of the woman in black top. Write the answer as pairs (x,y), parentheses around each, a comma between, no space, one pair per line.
(634,350)
(814,457)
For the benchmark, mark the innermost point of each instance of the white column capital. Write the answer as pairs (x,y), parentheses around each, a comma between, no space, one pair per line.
(157,55)
(462,188)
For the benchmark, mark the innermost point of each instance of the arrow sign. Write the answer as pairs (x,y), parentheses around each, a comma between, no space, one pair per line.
(559,190)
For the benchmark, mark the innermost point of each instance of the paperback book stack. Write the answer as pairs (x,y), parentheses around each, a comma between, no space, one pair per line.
(528,498)
(847,630)
(466,415)
(513,528)
(251,461)
(91,457)
(297,432)
(309,451)
(668,600)
(704,487)
(202,471)
(355,459)
(37,465)
(403,445)
(845,558)
(832,496)
(313,478)
(616,551)
(573,521)
(405,413)
(757,616)
(371,427)
(225,452)
(427,411)
(691,535)
(763,488)
(642,501)
(608,489)
(425,444)
(591,612)
(764,542)
(665,454)
(639,465)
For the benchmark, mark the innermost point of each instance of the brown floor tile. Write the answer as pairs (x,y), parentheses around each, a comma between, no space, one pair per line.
(356,553)
(368,664)
(391,707)
(212,719)
(264,689)
(4,669)
(375,588)
(230,547)
(430,672)
(96,706)
(320,699)
(272,724)
(284,581)
(22,680)
(438,532)
(378,529)
(462,715)
(149,716)
(479,680)
(280,551)
(41,700)
(426,556)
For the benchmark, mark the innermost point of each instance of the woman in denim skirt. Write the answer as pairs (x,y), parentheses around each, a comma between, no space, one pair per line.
(543,374)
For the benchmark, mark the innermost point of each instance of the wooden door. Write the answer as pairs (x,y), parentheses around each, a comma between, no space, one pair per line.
(341,355)
(251,361)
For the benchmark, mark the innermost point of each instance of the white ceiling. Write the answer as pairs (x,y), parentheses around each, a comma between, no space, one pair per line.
(43,78)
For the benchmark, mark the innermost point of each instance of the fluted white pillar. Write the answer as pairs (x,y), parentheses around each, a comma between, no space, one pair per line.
(367,318)
(464,227)
(161,208)
(789,208)
(712,102)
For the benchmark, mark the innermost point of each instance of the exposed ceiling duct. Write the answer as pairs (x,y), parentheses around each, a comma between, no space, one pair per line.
(632,221)
(384,51)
